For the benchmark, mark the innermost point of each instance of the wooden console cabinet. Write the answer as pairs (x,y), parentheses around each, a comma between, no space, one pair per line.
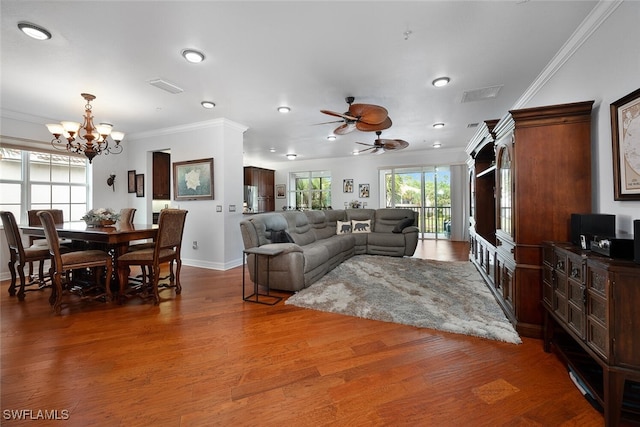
(539,175)
(592,321)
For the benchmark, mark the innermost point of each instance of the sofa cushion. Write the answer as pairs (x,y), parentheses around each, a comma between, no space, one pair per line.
(343,227)
(299,228)
(387,218)
(318,223)
(280,236)
(361,226)
(404,223)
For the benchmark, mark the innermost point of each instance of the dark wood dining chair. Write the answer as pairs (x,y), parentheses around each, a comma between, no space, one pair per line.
(168,244)
(127,215)
(21,256)
(65,263)
(34,220)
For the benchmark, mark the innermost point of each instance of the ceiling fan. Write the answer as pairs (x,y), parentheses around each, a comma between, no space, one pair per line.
(364,117)
(379,146)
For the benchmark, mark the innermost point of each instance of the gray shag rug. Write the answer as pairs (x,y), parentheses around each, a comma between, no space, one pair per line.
(443,295)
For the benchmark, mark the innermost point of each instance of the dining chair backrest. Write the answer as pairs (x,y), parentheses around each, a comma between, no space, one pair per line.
(126,215)
(170,229)
(34,219)
(12,232)
(53,240)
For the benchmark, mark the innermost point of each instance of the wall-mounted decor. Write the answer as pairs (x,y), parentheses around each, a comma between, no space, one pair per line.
(193,180)
(281,191)
(364,190)
(625,134)
(347,186)
(131,175)
(140,185)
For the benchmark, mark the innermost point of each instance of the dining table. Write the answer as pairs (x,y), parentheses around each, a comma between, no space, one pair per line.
(116,236)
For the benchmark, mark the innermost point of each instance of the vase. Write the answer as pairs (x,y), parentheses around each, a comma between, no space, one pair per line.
(100,223)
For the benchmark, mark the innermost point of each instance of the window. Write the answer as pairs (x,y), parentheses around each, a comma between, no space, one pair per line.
(40,180)
(310,190)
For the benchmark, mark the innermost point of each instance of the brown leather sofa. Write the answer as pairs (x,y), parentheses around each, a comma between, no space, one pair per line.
(314,242)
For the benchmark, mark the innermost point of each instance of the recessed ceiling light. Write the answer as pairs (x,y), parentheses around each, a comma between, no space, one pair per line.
(438,125)
(441,81)
(208,104)
(437,145)
(291,156)
(331,137)
(355,152)
(284,109)
(272,150)
(34,31)
(192,55)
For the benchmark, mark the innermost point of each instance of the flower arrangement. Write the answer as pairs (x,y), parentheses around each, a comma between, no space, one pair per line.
(101,216)
(355,204)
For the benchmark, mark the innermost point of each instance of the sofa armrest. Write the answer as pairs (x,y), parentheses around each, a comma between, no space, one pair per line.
(286,247)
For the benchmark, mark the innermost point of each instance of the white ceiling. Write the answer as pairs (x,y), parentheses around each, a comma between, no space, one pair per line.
(263,54)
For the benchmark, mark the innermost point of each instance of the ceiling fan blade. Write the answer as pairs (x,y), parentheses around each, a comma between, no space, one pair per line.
(369,114)
(394,144)
(378,150)
(362,143)
(366,127)
(343,115)
(326,123)
(364,150)
(344,129)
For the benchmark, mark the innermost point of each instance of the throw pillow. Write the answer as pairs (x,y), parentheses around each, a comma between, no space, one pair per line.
(404,223)
(361,226)
(280,236)
(343,227)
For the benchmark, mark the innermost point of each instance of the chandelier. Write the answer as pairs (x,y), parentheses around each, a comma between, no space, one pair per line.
(86,138)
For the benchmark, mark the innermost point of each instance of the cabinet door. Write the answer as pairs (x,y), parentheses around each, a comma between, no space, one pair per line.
(504,190)
(576,294)
(597,310)
(161,175)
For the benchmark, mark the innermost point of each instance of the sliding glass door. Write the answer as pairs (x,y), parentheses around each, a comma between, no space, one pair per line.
(426,190)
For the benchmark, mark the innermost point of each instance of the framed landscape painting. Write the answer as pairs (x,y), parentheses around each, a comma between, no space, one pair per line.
(625,135)
(193,180)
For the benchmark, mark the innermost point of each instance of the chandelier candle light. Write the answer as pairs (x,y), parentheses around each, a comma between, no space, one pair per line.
(95,138)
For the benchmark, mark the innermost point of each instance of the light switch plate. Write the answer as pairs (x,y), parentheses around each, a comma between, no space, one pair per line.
(219,208)
(232,208)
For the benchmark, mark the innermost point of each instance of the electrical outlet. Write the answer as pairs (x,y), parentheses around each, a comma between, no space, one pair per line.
(219,208)
(195,244)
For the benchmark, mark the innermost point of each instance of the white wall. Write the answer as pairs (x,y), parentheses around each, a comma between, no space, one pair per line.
(605,68)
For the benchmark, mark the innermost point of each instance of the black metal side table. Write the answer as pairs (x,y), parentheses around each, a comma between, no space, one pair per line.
(255,296)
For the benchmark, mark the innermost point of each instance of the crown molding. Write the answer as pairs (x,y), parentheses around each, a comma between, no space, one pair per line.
(591,23)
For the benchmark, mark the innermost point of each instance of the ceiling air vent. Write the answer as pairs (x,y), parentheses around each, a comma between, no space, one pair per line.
(472,125)
(165,85)
(481,94)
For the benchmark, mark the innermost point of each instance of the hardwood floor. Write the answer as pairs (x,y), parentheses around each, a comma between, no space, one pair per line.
(207,358)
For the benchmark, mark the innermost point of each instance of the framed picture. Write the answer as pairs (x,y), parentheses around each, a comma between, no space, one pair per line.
(364,190)
(625,135)
(131,175)
(193,180)
(347,186)
(281,191)
(140,185)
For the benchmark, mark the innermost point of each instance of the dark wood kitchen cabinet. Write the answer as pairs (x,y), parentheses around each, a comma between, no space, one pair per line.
(161,176)
(264,180)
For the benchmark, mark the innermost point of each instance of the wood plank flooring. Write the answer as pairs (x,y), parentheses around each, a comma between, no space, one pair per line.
(206,358)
